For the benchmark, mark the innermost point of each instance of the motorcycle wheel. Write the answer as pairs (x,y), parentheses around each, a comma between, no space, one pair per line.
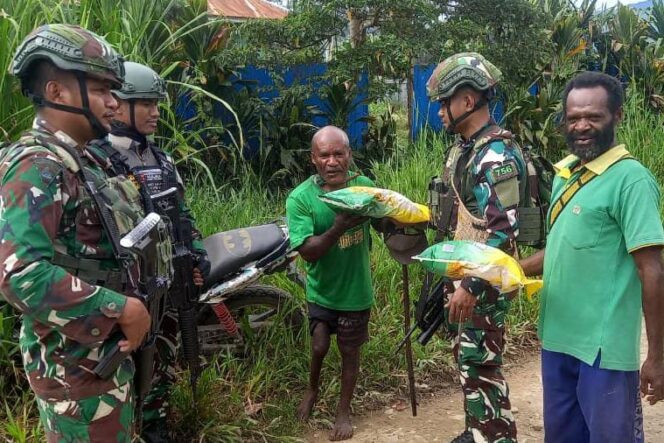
(255,310)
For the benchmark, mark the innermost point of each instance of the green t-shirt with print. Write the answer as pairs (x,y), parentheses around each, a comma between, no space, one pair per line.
(341,279)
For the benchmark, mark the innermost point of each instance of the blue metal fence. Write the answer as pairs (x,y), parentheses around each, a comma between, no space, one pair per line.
(262,82)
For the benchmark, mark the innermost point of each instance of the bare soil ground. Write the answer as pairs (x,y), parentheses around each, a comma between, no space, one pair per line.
(440,415)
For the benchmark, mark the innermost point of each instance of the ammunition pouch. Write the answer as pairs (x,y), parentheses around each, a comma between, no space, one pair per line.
(90,272)
(532,229)
(441,203)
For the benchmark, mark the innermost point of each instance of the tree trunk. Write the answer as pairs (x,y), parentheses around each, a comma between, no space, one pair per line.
(355,28)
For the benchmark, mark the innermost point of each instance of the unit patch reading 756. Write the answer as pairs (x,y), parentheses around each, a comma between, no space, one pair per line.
(505,171)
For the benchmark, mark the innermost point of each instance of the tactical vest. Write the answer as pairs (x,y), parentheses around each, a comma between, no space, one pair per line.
(150,179)
(452,202)
(119,195)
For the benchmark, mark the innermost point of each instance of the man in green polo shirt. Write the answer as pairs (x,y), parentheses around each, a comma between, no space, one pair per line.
(335,248)
(602,268)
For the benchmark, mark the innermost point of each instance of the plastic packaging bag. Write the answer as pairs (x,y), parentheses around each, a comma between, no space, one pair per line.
(377,203)
(458,259)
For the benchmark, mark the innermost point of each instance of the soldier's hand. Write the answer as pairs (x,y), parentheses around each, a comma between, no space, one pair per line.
(461,305)
(198,277)
(134,323)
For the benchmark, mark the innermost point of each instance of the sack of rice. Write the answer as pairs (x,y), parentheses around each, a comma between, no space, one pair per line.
(376,203)
(459,258)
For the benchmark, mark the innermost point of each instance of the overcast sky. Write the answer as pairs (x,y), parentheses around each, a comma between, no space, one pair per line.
(613,2)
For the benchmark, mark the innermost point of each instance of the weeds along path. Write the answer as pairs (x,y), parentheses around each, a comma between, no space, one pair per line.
(440,415)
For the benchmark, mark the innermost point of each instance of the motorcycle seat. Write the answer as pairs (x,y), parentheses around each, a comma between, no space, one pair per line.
(229,251)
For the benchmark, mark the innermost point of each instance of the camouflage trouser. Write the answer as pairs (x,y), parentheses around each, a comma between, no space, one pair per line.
(104,418)
(155,405)
(478,351)
(486,395)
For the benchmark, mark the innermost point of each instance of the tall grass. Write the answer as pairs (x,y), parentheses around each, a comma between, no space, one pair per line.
(169,36)
(276,375)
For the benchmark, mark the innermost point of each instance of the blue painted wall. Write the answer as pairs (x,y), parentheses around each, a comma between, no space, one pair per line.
(261,81)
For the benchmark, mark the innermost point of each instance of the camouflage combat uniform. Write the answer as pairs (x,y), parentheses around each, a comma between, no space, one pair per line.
(493,197)
(48,221)
(154,171)
(486,178)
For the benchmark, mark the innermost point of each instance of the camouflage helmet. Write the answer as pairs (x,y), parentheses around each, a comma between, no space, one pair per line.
(70,48)
(463,69)
(141,82)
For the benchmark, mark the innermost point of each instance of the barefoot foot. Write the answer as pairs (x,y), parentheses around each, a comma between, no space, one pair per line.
(306,405)
(343,429)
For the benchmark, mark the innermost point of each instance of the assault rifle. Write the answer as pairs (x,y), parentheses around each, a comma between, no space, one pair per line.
(143,241)
(183,294)
(429,310)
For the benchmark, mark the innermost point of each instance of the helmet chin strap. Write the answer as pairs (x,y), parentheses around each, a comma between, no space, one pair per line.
(97,127)
(132,114)
(454,122)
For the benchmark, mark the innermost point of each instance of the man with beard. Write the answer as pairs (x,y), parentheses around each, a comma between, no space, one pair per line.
(335,248)
(605,222)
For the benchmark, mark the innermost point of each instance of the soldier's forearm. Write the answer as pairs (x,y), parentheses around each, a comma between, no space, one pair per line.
(47,294)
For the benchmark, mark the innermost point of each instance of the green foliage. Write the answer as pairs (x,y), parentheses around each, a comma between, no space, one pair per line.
(554,38)
(380,142)
(166,34)
(339,103)
(509,33)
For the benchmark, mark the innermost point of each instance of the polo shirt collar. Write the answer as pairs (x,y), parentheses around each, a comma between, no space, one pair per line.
(598,165)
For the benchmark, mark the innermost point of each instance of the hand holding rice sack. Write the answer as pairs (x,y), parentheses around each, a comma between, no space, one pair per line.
(377,203)
(458,259)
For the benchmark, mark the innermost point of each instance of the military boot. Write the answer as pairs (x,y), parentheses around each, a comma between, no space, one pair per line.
(155,432)
(464,437)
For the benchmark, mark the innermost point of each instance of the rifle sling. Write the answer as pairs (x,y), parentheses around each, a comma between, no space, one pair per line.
(95,189)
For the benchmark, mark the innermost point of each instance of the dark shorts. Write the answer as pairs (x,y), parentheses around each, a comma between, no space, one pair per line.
(351,327)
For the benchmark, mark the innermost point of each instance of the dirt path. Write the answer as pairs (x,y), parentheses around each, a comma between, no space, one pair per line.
(440,416)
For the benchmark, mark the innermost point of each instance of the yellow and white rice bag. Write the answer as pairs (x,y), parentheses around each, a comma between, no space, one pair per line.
(459,258)
(377,203)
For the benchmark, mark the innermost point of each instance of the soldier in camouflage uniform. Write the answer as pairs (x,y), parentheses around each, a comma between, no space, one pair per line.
(137,156)
(485,178)
(59,269)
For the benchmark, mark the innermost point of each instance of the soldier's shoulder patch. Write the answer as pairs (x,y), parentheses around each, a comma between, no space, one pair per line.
(503,171)
(48,169)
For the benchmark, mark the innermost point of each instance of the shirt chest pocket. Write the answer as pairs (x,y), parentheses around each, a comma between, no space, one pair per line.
(583,226)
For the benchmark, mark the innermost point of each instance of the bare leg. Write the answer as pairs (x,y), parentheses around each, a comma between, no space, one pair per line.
(350,368)
(320,344)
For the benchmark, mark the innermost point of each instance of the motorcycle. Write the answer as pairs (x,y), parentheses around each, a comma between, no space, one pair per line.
(236,306)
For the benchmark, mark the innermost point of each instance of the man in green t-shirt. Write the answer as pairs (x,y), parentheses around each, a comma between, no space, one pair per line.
(602,269)
(335,248)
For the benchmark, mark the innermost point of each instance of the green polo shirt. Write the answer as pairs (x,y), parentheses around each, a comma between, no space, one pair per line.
(340,279)
(591,300)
